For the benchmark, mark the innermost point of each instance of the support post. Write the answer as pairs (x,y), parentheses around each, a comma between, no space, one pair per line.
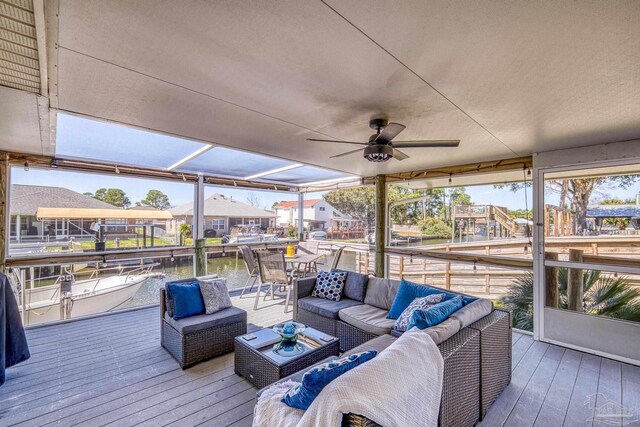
(575,285)
(198,211)
(201,258)
(381,218)
(4,207)
(551,281)
(18,229)
(301,216)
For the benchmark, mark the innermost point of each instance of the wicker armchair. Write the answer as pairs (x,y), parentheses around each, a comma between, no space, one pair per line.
(203,336)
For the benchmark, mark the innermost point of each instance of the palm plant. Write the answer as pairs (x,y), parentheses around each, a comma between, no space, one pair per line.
(603,295)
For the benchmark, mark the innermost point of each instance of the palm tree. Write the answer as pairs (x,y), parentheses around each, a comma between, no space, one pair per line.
(603,295)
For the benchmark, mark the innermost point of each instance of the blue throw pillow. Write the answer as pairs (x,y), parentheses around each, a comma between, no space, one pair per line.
(187,299)
(302,395)
(432,316)
(409,291)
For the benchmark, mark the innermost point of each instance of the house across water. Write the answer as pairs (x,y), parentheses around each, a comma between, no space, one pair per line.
(221,214)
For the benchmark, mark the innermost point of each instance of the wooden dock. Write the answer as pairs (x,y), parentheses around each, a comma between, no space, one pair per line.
(111,370)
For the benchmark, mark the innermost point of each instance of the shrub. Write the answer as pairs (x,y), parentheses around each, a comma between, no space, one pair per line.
(435,227)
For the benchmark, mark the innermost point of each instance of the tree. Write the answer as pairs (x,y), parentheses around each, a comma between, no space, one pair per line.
(604,295)
(113,196)
(253,199)
(88,193)
(520,213)
(359,203)
(156,199)
(185,229)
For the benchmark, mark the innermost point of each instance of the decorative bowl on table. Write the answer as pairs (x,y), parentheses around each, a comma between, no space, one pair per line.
(288,345)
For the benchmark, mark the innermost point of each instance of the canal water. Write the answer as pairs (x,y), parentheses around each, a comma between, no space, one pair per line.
(232,268)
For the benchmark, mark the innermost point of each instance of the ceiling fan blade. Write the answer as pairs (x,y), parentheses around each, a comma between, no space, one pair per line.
(390,131)
(427,144)
(399,155)
(337,142)
(347,153)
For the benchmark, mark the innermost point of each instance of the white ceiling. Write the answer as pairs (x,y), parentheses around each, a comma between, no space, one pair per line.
(20,122)
(506,78)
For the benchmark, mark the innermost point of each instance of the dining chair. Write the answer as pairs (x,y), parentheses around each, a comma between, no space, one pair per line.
(310,248)
(252,267)
(273,274)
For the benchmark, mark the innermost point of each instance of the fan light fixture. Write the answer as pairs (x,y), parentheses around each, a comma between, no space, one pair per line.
(378,153)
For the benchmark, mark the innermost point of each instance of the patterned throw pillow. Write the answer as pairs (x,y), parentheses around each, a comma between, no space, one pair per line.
(313,381)
(417,304)
(329,285)
(215,295)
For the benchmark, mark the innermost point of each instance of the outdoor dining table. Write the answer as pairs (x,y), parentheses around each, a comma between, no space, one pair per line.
(302,262)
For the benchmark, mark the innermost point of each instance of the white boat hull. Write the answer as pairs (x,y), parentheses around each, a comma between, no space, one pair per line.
(87,297)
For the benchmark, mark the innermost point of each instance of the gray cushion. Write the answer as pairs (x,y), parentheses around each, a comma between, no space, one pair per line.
(444,330)
(368,318)
(324,307)
(356,285)
(189,325)
(215,295)
(378,344)
(473,311)
(440,332)
(381,292)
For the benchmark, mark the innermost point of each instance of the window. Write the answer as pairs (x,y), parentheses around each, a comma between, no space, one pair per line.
(217,224)
(592,218)
(321,209)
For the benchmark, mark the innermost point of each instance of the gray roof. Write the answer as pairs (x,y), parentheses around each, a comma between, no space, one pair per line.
(219,205)
(613,211)
(26,199)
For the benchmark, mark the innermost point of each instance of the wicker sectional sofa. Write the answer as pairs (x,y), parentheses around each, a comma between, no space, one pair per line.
(475,343)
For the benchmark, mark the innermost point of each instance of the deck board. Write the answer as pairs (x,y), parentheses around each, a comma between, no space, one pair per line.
(111,370)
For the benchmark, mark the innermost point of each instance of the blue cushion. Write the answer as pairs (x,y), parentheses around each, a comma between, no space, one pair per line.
(302,395)
(187,299)
(408,291)
(434,315)
(355,287)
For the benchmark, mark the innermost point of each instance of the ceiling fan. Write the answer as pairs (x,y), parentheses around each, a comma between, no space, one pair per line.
(381,147)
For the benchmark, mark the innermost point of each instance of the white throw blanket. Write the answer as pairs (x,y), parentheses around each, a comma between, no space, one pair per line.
(271,412)
(400,387)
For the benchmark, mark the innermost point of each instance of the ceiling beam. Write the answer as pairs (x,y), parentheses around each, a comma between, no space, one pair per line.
(21,159)
(468,169)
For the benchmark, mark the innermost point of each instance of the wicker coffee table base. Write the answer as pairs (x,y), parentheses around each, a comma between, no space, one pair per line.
(260,371)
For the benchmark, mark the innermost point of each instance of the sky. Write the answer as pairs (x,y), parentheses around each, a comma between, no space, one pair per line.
(180,193)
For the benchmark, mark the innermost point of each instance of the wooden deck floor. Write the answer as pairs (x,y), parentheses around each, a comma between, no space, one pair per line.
(111,370)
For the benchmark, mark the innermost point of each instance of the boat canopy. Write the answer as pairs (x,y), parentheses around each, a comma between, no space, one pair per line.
(87,213)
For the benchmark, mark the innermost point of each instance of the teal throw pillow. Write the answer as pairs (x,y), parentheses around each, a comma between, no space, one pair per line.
(432,316)
(408,291)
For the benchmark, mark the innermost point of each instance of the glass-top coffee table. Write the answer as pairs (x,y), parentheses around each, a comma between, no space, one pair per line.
(256,361)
